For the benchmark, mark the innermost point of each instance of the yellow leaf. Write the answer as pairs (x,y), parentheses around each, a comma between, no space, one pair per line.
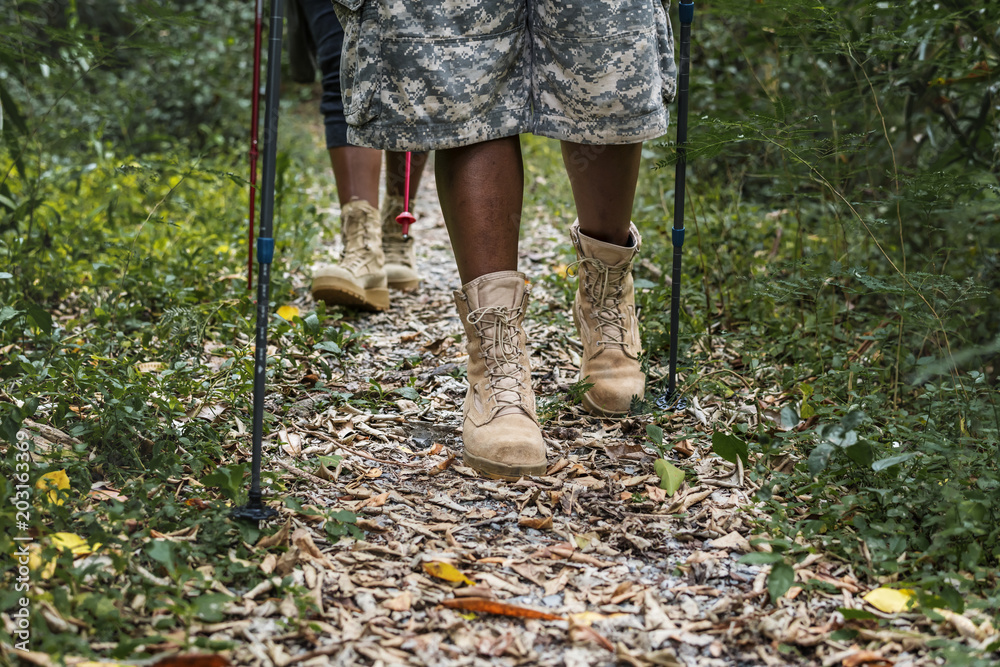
(288,312)
(446,572)
(52,482)
(35,562)
(586,617)
(889,600)
(76,544)
(561,270)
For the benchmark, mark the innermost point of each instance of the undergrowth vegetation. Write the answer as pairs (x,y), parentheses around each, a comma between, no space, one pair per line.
(844,179)
(843,251)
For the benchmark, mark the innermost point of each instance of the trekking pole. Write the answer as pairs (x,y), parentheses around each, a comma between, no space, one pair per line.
(680,175)
(406,218)
(255,509)
(254,121)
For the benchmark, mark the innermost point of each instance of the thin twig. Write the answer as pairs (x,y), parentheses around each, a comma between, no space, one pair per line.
(324,436)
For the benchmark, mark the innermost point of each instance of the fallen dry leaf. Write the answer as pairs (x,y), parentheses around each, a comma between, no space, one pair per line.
(483,606)
(53,482)
(401,602)
(536,522)
(441,467)
(870,658)
(447,572)
(277,539)
(193,660)
(889,600)
(585,633)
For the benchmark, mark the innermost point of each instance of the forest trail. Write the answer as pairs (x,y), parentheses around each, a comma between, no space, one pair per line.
(633,576)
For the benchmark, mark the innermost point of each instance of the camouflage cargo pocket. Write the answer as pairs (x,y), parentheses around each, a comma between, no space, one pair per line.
(668,66)
(360,66)
(602,60)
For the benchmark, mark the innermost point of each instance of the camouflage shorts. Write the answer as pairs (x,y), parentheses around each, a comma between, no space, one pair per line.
(429,75)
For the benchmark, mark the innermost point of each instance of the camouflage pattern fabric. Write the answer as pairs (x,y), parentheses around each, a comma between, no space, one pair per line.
(423,76)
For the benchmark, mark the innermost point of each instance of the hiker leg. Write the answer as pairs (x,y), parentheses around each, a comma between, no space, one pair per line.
(356,171)
(603,179)
(395,172)
(481,188)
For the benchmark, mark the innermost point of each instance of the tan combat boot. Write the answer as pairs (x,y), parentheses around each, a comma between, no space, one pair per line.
(604,313)
(359,279)
(400,257)
(500,428)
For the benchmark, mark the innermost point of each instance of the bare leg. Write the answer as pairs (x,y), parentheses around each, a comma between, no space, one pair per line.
(395,172)
(603,180)
(356,171)
(481,188)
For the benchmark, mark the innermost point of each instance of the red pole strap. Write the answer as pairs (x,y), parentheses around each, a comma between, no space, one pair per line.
(406,218)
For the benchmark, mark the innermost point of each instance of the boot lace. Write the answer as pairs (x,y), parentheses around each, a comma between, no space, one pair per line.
(604,287)
(358,242)
(499,345)
(396,248)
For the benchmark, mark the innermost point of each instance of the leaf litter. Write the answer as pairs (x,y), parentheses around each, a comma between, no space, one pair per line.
(605,559)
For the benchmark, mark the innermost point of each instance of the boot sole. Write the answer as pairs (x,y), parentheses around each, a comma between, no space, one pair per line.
(339,292)
(405,285)
(598,411)
(495,470)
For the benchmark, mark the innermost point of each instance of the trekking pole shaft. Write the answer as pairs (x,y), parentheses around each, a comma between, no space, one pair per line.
(254,122)
(265,242)
(680,176)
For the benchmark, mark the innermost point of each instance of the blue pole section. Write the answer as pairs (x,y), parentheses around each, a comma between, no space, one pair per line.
(680,175)
(255,510)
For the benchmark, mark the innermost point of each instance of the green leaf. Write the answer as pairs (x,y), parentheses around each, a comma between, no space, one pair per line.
(331,461)
(41,318)
(328,346)
(162,552)
(311,323)
(210,607)
(861,453)
(852,420)
(856,614)
(8,313)
(780,579)
(789,418)
(407,392)
(819,458)
(671,477)
(655,434)
(729,447)
(882,464)
(228,479)
(761,558)
(642,283)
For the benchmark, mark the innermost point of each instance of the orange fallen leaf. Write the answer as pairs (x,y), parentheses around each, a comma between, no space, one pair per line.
(484,606)
(536,522)
(583,633)
(441,467)
(196,502)
(193,660)
(374,501)
(869,658)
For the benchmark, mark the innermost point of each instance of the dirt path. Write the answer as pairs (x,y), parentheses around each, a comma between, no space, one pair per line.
(636,578)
